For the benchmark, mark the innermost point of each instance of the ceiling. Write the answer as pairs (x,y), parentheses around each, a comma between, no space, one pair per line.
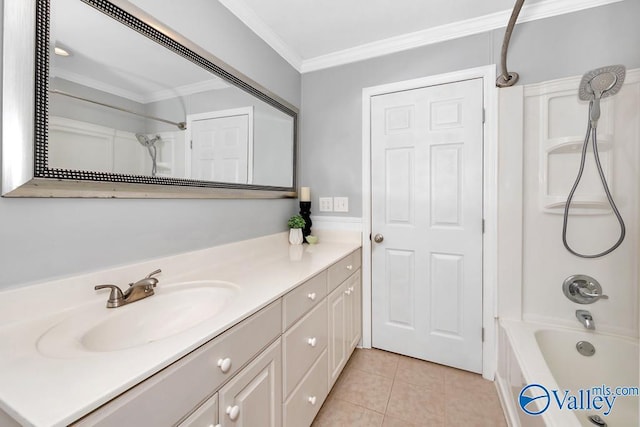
(313,34)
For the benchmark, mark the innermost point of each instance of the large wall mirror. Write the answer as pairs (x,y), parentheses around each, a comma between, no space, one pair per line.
(124,107)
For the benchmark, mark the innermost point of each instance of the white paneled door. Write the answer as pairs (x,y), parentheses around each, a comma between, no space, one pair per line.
(220,149)
(426,155)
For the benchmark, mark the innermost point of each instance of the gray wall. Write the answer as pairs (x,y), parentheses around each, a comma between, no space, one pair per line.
(46,238)
(331,152)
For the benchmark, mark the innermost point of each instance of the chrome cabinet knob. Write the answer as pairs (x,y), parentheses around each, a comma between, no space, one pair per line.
(312,400)
(312,296)
(378,238)
(312,341)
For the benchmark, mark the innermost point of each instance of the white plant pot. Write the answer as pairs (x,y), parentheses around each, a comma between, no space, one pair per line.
(295,236)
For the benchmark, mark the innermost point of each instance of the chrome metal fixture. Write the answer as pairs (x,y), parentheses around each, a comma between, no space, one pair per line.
(141,289)
(595,85)
(582,289)
(507,79)
(595,419)
(179,125)
(585,348)
(586,319)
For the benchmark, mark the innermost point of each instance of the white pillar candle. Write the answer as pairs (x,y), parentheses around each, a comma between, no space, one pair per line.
(305,194)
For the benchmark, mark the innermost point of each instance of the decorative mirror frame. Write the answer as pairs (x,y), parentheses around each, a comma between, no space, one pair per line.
(25,120)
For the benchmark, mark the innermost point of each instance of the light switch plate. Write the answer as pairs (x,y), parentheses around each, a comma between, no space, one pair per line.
(341,204)
(326,204)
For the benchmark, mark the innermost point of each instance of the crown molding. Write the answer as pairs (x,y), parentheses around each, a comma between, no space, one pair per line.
(482,24)
(540,10)
(248,17)
(214,84)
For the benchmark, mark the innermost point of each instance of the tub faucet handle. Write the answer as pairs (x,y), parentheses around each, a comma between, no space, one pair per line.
(592,294)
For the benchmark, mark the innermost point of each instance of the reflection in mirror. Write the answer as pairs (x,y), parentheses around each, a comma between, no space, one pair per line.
(119,103)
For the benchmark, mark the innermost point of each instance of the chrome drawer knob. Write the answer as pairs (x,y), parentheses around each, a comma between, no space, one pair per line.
(224,364)
(312,341)
(349,267)
(312,400)
(312,296)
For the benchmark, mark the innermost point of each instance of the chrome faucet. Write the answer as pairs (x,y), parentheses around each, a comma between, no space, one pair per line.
(586,319)
(141,289)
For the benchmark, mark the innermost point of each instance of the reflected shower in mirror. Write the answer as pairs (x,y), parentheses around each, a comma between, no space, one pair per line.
(119,103)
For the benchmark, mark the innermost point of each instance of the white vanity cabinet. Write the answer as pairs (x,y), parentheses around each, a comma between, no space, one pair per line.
(345,313)
(205,416)
(317,346)
(272,369)
(254,396)
(173,393)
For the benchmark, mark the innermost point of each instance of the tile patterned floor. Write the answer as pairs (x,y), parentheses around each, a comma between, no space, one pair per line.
(378,388)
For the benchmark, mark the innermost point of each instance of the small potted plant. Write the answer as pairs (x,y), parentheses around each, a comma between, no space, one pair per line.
(296,223)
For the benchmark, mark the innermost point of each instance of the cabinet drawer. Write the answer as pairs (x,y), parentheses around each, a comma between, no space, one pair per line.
(306,400)
(196,376)
(205,416)
(344,268)
(302,299)
(303,343)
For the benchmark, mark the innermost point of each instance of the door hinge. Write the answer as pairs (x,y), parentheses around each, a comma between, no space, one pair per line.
(482,334)
(191,144)
(482,225)
(484,115)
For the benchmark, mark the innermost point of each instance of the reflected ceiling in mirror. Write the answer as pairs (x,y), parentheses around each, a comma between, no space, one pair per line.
(127,103)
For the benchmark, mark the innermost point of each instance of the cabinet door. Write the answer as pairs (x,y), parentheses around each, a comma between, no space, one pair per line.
(354,326)
(337,332)
(254,396)
(205,416)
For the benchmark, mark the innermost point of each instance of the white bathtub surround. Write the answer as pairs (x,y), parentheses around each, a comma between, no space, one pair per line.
(542,128)
(42,390)
(533,353)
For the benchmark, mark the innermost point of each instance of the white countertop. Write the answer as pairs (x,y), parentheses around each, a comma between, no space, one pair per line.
(42,390)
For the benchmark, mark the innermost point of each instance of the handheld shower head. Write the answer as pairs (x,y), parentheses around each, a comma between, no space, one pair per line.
(150,144)
(145,141)
(600,83)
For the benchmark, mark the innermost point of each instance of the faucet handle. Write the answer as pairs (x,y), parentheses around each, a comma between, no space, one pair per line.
(116,297)
(153,273)
(594,294)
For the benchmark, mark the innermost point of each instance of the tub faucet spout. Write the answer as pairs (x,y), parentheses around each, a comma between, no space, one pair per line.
(586,319)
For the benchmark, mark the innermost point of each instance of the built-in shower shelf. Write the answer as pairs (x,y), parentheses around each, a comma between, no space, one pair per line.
(585,206)
(560,160)
(574,144)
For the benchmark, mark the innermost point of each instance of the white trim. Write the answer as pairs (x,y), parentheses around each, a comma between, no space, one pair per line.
(327,222)
(248,17)
(455,30)
(490,201)
(540,10)
(214,83)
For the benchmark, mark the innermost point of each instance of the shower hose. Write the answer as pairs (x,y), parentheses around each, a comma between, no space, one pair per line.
(591,131)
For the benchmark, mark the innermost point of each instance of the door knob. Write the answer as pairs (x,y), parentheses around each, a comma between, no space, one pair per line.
(378,238)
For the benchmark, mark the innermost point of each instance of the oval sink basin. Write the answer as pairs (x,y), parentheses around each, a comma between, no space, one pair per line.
(172,310)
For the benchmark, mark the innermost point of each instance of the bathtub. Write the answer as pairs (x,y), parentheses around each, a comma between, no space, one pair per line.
(533,353)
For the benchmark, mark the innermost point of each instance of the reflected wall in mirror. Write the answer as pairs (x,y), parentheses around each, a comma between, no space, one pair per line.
(125,103)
